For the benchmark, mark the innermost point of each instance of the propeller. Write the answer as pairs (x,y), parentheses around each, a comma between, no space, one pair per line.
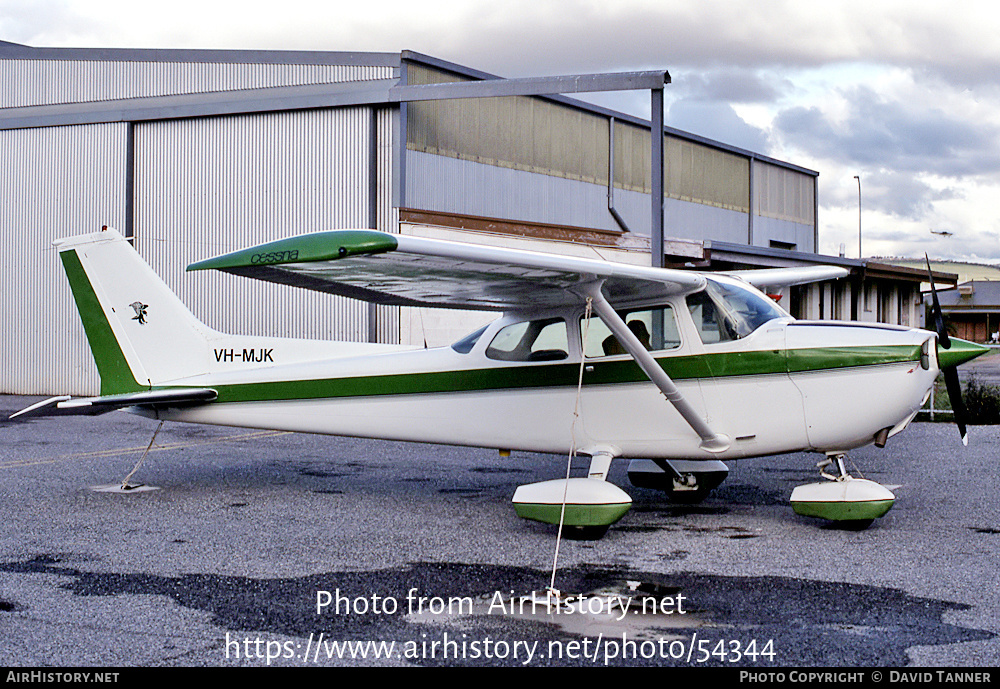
(950,372)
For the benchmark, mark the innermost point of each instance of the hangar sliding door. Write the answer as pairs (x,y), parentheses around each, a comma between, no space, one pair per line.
(56,182)
(213,185)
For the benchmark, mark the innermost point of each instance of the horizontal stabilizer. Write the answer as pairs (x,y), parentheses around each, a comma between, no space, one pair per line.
(65,405)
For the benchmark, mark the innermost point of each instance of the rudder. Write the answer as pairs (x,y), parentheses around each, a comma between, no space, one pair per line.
(139,331)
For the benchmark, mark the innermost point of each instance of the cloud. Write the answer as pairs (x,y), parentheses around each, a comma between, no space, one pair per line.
(718,121)
(804,82)
(730,85)
(893,135)
(904,195)
(899,194)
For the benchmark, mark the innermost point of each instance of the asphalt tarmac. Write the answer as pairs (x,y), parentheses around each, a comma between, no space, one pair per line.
(261,548)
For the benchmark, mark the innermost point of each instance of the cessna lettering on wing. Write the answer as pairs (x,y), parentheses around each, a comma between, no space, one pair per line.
(247,356)
(274,257)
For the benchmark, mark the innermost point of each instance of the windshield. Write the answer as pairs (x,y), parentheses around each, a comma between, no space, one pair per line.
(724,311)
(465,345)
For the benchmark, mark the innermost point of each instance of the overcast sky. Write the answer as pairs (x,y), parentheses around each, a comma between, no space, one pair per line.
(906,95)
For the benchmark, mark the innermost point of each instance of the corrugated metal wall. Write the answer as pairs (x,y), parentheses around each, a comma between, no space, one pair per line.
(55,182)
(202,187)
(387,215)
(209,186)
(43,82)
(784,194)
(533,160)
(450,185)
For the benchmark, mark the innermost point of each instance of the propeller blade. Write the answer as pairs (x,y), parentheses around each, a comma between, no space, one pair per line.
(950,372)
(957,404)
(942,332)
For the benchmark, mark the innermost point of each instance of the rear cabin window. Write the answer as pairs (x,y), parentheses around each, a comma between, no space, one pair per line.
(655,328)
(541,340)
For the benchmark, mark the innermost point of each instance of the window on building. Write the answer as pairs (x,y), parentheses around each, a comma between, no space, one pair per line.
(788,246)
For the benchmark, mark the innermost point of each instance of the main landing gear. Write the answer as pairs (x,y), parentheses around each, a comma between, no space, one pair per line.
(585,507)
(851,503)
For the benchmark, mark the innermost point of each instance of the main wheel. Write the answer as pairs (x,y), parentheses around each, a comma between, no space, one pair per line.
(584,533)
(687,497)
(852,524)
(693,487)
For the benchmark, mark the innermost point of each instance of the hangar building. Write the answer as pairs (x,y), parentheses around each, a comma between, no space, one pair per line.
(194,153)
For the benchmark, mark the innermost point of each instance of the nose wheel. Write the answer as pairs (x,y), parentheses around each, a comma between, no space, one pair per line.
(848,502)
(837,463)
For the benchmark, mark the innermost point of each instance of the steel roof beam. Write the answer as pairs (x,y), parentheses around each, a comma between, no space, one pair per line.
(309,96)
(532,86)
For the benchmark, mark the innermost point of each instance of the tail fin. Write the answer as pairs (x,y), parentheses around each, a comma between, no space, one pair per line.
(139,332)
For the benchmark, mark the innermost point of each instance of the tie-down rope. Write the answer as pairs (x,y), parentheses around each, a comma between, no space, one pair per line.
(572,450)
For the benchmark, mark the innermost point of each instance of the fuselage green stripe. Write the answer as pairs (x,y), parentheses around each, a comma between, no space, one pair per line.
(819,358)
(723,365)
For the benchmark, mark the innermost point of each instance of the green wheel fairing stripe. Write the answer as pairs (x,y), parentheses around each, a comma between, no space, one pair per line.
(116,376)
(723,365)
(576,515)
(844,510)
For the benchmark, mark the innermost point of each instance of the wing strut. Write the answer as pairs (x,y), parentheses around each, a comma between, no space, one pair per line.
(710,440)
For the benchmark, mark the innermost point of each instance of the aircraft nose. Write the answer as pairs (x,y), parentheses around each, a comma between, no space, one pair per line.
(959,352)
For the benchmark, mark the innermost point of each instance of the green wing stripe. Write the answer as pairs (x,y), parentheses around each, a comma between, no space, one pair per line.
(116,376)
(318,246)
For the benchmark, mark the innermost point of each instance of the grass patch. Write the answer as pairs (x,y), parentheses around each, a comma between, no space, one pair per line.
(982,402)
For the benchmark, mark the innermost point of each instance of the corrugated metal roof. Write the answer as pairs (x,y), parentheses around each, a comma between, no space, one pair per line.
(277,57)
(13,51)
(984,294)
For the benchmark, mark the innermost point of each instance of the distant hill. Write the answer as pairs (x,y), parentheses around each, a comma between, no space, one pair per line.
(965,271)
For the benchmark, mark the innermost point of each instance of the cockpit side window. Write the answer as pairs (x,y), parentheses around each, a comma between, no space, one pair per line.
(541,340)
(723,312)
(655,328)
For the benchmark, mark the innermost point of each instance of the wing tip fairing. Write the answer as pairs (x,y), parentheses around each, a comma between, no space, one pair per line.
(318,246)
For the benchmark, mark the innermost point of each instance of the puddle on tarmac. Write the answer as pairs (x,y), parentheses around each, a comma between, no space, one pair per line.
(639,609)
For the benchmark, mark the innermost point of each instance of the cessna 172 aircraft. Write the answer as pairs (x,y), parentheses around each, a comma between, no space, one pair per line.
(580,359)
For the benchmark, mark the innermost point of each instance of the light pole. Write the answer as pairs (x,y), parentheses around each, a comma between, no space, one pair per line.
(860,255)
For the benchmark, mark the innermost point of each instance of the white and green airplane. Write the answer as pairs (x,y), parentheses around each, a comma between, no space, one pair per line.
(579,361)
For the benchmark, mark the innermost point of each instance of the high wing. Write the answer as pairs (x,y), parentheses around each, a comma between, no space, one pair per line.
(416,271)
(66,405)
(382,268)
(786,277)
(404,270)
